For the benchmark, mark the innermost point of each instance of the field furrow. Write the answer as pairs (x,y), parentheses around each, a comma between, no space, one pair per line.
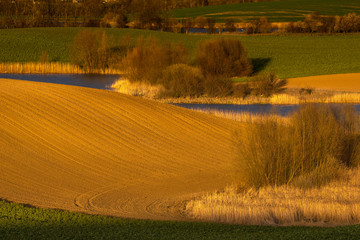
(102,152)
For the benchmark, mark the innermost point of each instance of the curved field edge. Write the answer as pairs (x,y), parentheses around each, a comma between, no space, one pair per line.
(102,152)
(280,11)
(287,56)
(23,222)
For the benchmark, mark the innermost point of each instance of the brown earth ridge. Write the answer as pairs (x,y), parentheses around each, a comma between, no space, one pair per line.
(102,152)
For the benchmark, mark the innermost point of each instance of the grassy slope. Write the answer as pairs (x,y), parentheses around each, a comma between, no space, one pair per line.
(276,11)
(20,222)
(288,56)
(103,152)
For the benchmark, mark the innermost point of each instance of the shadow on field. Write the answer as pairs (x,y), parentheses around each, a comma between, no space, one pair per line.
(133,229)
(18,221)
(259,64)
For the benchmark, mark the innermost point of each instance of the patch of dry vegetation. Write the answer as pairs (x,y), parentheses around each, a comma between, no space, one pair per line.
(335,204)
(140,89)
(318,140)
(299,171)
(49,68)
(243,116)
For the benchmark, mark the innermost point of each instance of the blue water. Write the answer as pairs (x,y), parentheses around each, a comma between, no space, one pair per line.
(282,110)
(105,81)
(82,80)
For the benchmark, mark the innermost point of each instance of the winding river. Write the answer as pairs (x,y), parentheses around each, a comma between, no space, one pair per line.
(105,81)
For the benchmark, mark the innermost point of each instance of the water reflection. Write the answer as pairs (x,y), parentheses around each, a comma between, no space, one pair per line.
(282,110)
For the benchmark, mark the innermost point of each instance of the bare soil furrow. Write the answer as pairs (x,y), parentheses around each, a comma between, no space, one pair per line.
(102,152)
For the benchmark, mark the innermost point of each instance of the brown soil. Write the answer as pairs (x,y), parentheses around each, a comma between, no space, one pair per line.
(102,152)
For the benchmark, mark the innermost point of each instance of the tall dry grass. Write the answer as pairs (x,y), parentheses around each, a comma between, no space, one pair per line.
(335,204)
(300,171)
(140,89)
(243,116)
(49,68)
(317,141)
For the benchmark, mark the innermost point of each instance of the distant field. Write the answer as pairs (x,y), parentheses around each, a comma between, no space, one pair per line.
(275,11)
(288,56)
(20,222)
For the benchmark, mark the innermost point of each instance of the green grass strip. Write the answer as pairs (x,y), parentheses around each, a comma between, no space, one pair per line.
(20,222)
(287,56)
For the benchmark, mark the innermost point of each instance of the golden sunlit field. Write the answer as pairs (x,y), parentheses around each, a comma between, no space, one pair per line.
(337,82)
(106,153)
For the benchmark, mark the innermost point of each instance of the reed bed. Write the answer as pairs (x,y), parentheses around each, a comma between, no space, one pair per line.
(243,116)
(343,98)
(279,99)
(49,68)
(154,92)
(335,204)
(140,89)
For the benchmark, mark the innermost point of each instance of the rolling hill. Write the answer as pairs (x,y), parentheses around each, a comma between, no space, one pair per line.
(102,152)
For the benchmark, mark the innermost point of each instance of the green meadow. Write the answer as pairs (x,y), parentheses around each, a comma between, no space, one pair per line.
(275,11)
(286,55)
(22,222)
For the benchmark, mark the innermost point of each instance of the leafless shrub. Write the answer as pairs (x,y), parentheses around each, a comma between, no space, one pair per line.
(317,141)
(182,80)
(223,57)
(146,61)
(267,84)
(218,86)
(90,50)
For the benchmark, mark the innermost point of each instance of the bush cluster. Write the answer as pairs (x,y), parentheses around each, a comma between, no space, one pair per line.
(261,25)
(147,60)
(223,57)
(90,50)
(267,84)
(168,65)
(93,51)
(317,142)
(182,80)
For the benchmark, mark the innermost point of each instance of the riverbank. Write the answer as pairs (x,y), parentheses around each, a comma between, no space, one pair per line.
(296,94)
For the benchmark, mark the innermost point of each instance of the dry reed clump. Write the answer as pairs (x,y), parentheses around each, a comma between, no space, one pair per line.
(274,99)
(318,140)
(343,98)
(284,99)
(141,89)
(335,204)
(243,116)
(48,68)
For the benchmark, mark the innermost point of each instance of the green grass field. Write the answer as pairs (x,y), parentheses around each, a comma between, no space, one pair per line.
(276,11)
(287,56)
(21,222)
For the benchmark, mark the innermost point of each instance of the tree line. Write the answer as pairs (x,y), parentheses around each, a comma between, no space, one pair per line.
(152,15)
(95,13)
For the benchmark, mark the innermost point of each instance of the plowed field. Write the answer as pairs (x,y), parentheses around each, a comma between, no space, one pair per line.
(102,152)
